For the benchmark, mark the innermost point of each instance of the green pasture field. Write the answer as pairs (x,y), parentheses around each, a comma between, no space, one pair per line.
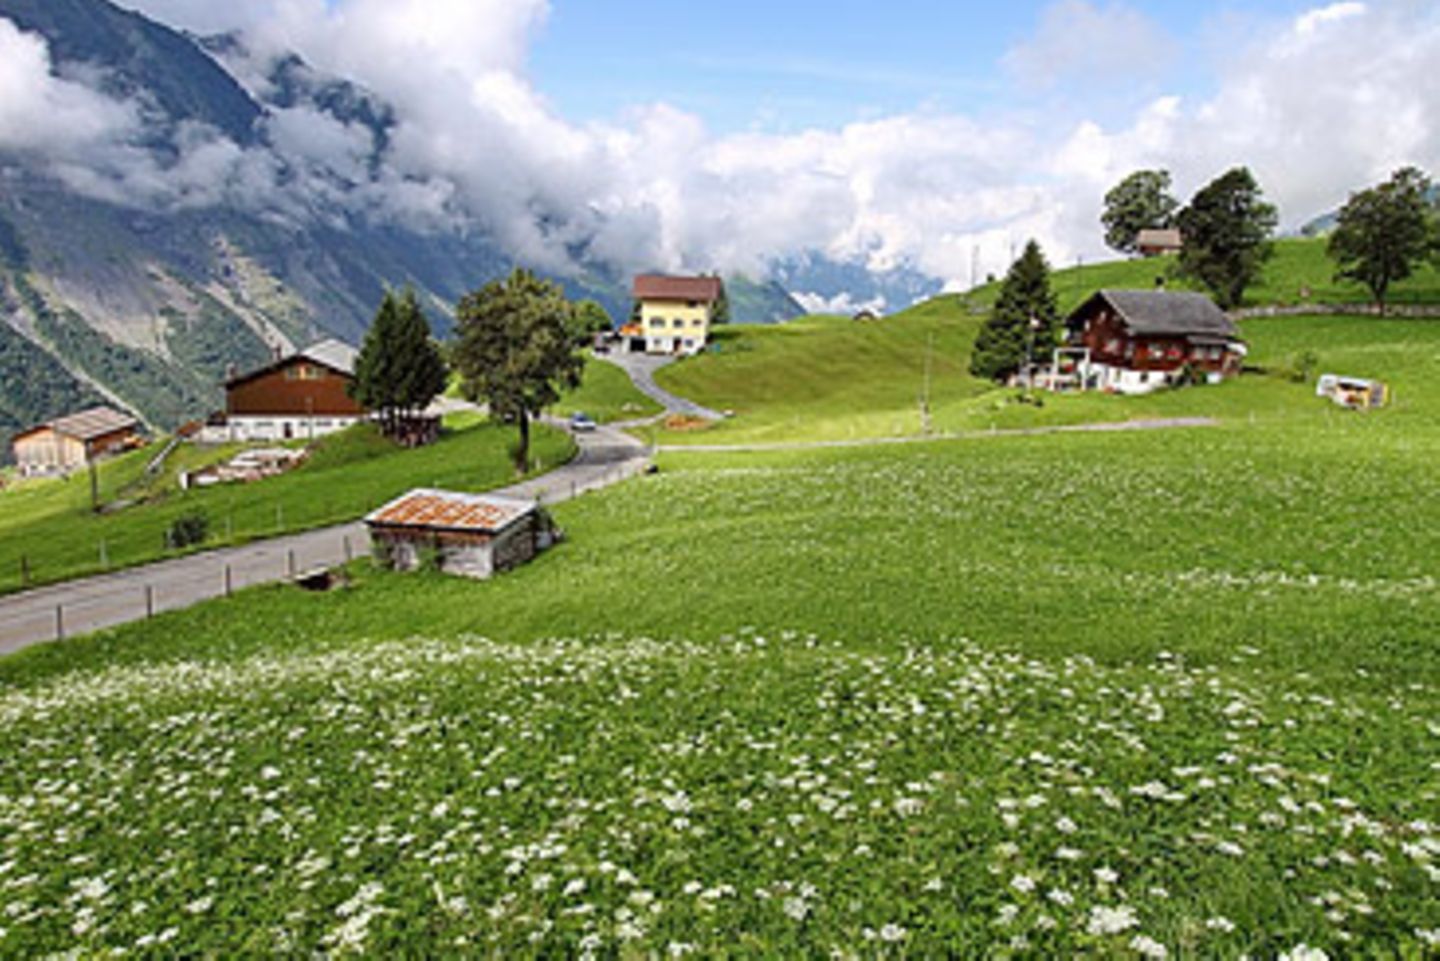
(1129,695)
(829,379)
(1298,265)
(607,395)
(51,526)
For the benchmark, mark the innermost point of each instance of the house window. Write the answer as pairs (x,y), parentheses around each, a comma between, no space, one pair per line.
(689,343)
(678,323)
(1112,346)
(657,321)
(311,373)
(291,373)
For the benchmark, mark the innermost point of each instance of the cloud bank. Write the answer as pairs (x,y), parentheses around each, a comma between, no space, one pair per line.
(1319,105)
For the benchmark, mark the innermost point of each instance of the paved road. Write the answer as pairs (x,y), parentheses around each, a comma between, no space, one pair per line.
(1116,427)
(606,456)
(641,368)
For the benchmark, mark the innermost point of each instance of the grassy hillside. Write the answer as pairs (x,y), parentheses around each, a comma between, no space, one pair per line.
(832,379)
(1078,690)
(50,525)
(607,395)
(1299,263)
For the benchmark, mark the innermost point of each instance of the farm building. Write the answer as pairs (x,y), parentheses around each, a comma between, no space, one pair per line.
(69,443)
(302,396)
(1136,341)
(676,313)
(472,535)
(1156,243)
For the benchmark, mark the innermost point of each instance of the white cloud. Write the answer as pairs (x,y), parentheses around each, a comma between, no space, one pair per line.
(1317,106)
(1081,41)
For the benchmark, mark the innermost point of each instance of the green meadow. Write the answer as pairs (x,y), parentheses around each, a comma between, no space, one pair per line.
(1161,694)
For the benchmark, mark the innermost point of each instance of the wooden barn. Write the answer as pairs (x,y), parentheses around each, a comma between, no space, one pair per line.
(302,396)
(67,444)
(1157,243)
(470,535)
(1136,341)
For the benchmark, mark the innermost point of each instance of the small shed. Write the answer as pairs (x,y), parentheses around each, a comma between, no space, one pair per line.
(1356,393)
(470,535)
(1155,243)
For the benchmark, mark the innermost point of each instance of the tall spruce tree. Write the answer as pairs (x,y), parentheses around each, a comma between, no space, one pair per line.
(1227,230)
(515,351)
(1009,334)
(1384,233)
(399,370)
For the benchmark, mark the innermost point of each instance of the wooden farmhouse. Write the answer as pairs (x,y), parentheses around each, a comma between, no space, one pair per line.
(68,444)
(470,535)
(1157,243)
(676,313)
(1137,341)
(302,396)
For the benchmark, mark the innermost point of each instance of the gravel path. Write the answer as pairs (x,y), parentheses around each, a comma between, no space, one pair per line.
(606,456)
(641,369)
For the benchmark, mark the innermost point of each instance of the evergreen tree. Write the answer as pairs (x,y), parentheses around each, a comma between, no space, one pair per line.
(399,370)
(721,313)
(1141,201)
(1025,320)
(1384,232)
(514,350)
(1227,230)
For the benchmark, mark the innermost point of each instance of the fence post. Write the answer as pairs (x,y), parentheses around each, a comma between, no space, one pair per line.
(229,587)
(59,623)
(24,570)
(149,602)
(290,562)
(349,552)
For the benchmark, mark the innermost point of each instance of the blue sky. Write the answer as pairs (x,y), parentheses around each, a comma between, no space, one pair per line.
(749,64)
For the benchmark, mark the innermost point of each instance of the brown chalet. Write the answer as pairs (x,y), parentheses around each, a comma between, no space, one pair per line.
(301,396)
(1136,341)
(69,443)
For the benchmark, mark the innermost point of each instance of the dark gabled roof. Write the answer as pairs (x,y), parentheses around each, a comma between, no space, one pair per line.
(654,287)
(337,355)
(1161,313)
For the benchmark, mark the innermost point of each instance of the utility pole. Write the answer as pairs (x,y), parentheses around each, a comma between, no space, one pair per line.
(925,395)
(94,479)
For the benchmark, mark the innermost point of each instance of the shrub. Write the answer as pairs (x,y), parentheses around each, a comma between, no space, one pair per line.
(188,530)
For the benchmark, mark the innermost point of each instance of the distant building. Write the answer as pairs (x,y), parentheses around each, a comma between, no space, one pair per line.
(676,313)
(1156,243)
(302,396)
(69,443)
(470,535)
(1136,341)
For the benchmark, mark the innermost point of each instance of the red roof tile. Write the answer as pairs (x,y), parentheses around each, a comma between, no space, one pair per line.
(656,287)
(449,511)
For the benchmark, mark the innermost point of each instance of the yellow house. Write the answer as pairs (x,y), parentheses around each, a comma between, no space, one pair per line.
(676,313)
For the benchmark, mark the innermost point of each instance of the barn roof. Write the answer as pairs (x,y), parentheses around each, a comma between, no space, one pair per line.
(656,287)
(334,354)
(436,510)
(88,424)
(1164,313)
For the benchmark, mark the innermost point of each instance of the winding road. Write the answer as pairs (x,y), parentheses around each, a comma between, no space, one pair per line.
(641,369)
(606,456)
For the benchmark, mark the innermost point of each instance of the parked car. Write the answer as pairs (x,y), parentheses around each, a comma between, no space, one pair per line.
(581,422)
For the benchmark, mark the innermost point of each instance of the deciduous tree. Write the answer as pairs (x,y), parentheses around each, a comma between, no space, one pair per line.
(1141,201)
(514,350)
(1227,230)
(1025,320)
(1384,232)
